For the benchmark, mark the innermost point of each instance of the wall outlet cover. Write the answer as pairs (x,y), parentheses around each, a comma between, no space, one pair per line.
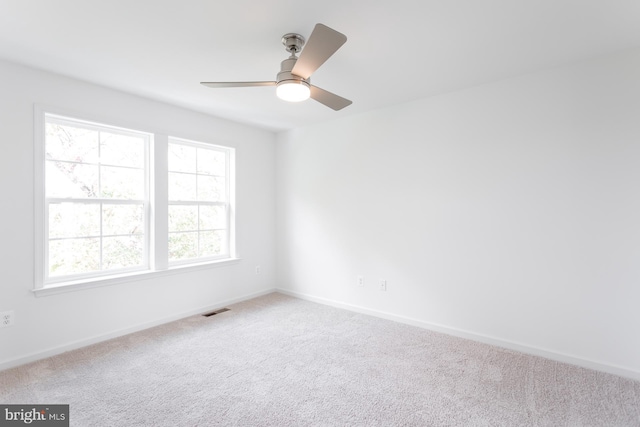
(6,319)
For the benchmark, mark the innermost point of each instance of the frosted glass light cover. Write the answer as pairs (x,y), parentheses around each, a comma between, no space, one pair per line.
(293,91)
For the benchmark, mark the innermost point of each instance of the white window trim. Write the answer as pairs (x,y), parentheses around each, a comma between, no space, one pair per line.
(130,277)
(158,265)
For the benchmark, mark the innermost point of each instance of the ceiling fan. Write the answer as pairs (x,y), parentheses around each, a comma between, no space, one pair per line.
(293,82)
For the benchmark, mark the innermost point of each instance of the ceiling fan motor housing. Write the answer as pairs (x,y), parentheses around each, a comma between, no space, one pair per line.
(285,74)
(291,87)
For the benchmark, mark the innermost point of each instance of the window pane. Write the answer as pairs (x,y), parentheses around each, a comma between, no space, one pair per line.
(211,162)
(71,180)
(74,256)
(183,218)
(182,186)
(122,252)
(71,143)
(182,158)
(212,217)
(212,243)
(122,219)
(183,246)
(122,183)
(74,220)
(210,188)
(121,150)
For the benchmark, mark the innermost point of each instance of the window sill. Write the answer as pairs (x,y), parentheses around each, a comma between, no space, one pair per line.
(59,288)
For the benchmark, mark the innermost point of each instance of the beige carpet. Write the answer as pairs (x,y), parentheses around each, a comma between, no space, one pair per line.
(280,361)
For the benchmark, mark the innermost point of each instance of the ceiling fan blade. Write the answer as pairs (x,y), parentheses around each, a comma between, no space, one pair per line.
(237,84)
(329,99)
(323,42)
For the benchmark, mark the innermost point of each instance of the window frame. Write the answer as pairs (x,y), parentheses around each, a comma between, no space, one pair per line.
(48,201)
(226,203)
(155,211)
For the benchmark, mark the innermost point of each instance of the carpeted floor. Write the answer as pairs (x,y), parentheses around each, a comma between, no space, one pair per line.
(280,361)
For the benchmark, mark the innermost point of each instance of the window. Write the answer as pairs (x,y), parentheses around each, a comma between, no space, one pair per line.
(96,199)
(101,215)
(198,201)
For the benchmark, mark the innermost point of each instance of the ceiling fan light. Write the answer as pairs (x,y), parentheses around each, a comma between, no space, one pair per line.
(293,91)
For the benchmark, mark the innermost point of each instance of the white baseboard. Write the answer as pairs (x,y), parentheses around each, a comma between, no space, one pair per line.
(511,345)
(560,357)
(118,333)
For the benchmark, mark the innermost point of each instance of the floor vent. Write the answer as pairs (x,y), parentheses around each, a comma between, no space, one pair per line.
(222,310)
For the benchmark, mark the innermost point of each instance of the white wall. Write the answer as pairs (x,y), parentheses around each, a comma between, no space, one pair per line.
(508,212)
(45,325)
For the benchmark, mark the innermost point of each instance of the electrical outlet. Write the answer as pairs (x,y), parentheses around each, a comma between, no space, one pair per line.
(360,282)
(383,285)
(6,319)
(257,269)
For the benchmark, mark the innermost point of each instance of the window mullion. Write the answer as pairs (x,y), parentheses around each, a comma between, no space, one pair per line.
(159,209)
(101,238)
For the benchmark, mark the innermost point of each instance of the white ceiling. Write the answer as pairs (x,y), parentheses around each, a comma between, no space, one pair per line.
(396,51)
